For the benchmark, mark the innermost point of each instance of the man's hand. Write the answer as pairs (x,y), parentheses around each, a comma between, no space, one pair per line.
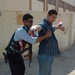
(48,34)
(36,28)
(62,28)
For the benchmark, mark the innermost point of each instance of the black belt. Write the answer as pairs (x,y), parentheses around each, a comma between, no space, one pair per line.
(10,52)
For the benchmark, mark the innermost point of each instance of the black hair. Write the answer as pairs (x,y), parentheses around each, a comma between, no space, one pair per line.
(50,12)
(27,16)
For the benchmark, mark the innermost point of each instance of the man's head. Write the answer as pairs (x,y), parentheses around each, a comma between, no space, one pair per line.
(28,20)
(52,15)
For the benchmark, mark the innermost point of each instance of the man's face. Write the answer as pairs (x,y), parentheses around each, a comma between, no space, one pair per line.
(52,18)
(28,22)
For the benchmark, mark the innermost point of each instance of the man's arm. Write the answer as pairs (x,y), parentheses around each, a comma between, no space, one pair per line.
(22,34)
(60,28)
(48,34)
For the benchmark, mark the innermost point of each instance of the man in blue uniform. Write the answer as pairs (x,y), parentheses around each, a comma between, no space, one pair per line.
(48,47)
(15,59)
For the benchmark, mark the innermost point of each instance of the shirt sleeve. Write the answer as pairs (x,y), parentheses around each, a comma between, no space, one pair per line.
(43,28)
(23,35)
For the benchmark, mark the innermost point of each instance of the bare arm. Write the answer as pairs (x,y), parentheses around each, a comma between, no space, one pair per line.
(60,28)
(22,34)
(48,34)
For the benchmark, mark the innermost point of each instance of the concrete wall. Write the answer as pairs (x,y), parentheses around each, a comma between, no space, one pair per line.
(72,2)
(9,23)
(23,5)
(19,5)
(73,29)
(37,5)
(67,39)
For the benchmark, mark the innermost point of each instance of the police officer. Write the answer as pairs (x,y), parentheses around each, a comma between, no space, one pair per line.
(15,59)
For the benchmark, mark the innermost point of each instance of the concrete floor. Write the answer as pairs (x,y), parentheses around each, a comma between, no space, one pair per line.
(63,65)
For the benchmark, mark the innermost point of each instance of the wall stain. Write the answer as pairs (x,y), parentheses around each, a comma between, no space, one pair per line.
(19,19)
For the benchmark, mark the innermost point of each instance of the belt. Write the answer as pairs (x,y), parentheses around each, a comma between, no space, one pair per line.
(10,52)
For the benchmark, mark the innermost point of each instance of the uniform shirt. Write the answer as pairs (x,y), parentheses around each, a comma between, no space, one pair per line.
(21,34)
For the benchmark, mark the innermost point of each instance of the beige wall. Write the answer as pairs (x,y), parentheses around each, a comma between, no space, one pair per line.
(51,6)
(23,5)
(73,28)
(72,2)
(8,25)
(37,5)
(19,5)
(68,23)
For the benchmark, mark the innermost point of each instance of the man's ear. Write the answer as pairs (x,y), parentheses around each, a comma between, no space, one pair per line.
(24,21)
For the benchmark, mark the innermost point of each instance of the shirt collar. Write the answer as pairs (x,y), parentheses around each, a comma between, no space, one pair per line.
(27,28)
(47,21)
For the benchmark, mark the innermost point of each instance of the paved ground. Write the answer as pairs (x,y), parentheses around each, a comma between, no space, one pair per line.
(63,65)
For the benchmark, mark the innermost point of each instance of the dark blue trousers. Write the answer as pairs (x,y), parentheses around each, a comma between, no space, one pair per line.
(16,64)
